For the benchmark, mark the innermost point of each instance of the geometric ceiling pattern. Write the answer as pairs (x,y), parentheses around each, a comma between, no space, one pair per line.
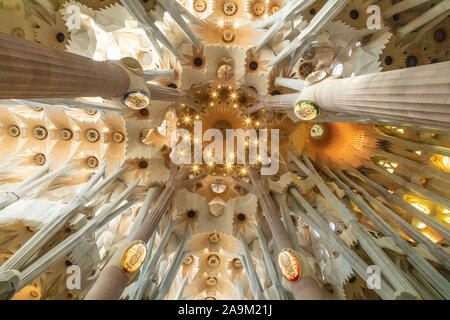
(224,150)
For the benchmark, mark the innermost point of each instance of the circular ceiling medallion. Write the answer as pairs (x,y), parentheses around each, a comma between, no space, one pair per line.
(40,133)
(60,37)
(40,159)
(237,263)
(134,257)
(188,260)
(200,5)
(253,65)
(214,238)
(211,281)
(228,35)
(218,187)
(259,8)
(225,72)
(118,137)
(38,109)
(92,135)
(92,162)
(66,134)
(144,112)
(191,213)
(14,131)
(317,131)
(229,8)
(213,260)
(274,9)
(136,99)
(306,111)
(184,3)
(143,164)
(198,62)
(289,265)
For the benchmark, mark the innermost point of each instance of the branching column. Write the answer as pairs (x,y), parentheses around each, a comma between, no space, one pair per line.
(178,257)
(148,269)
(414,95)
(29,70)
(306,288)
(101,289)
(260,189)
(176,180)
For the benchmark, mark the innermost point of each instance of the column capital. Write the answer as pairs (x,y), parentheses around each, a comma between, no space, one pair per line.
(137,95)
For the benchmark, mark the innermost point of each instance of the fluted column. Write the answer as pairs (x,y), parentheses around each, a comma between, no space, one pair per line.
(148,269)
(151,195)
(316,222)
(414,95)
(260,189)
(29,70)
(401,6)
(109,285)
(178,257)
(305,288)
(157,211)
(150,222)
(276,281)
(440,9)
(255,284)
(391,272)
(22,256)
(106,214)
(114,278)
(161,93)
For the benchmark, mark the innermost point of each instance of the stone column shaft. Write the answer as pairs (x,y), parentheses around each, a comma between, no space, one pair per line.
(269,263)
(270,212)
(169,278)
(29,70)
(420,263)
(316,222)
(253,279)
(109,285)
(158,209)
(287,221)
(151,195)
(414,95)
(373,250)
(402,6)
(22,256)
(441,8)
(306,288)
(148,269)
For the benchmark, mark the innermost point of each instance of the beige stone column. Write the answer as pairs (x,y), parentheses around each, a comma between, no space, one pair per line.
(109,285)
(122,269)
(159,208)
(419,95)
(306,288)
(29,70)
